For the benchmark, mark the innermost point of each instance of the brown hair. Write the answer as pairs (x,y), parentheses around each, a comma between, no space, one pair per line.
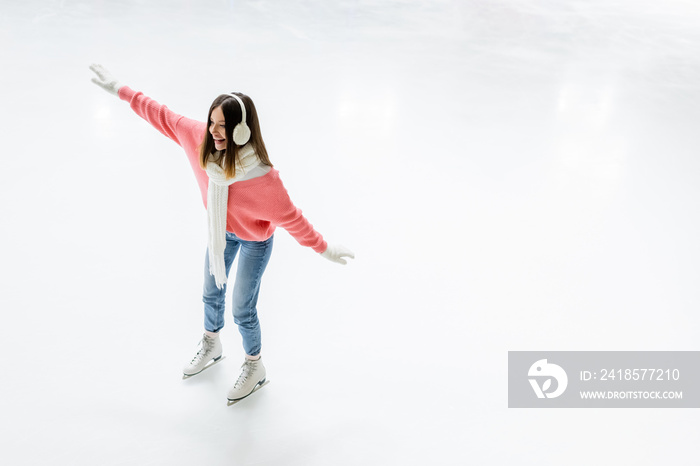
(232,116)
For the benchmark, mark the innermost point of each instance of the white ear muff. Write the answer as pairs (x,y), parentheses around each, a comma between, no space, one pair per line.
(241,133)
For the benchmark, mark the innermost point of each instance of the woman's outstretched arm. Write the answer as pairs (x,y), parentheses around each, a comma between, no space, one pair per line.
(163,119)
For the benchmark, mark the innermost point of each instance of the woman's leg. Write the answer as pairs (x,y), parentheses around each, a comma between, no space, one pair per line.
(252,261)
(214,298)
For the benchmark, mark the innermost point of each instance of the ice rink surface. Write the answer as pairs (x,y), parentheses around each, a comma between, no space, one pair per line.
(511,175)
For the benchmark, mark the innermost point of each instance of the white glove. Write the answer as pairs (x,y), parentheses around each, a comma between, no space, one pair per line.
(336,252)
(105,80)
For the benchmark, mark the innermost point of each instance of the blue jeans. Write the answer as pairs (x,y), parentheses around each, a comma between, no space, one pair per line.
(251,265)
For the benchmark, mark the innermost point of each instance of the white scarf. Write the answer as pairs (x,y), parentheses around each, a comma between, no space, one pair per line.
(217,204)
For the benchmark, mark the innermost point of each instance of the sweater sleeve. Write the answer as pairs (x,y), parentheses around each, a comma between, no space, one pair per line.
(172,125)
(291,219)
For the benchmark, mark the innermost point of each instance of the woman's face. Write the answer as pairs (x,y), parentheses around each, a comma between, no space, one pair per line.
(216,128)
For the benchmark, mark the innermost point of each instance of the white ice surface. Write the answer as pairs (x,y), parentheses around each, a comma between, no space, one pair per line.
(512,175)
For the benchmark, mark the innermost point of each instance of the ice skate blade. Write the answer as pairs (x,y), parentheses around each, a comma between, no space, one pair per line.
(257,387)
(212,363)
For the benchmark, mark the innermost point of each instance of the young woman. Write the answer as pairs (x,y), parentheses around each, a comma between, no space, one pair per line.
(245,202)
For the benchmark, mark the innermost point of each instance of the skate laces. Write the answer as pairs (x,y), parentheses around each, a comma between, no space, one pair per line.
(247,368)
(204,350)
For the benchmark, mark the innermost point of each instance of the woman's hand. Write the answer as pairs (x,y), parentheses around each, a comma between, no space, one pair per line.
(105,80)
(336,252)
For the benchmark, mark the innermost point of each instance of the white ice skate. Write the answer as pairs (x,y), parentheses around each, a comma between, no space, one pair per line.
(208,354)
(252,378)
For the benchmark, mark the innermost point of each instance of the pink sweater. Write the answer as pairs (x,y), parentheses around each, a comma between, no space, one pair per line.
(256,206)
